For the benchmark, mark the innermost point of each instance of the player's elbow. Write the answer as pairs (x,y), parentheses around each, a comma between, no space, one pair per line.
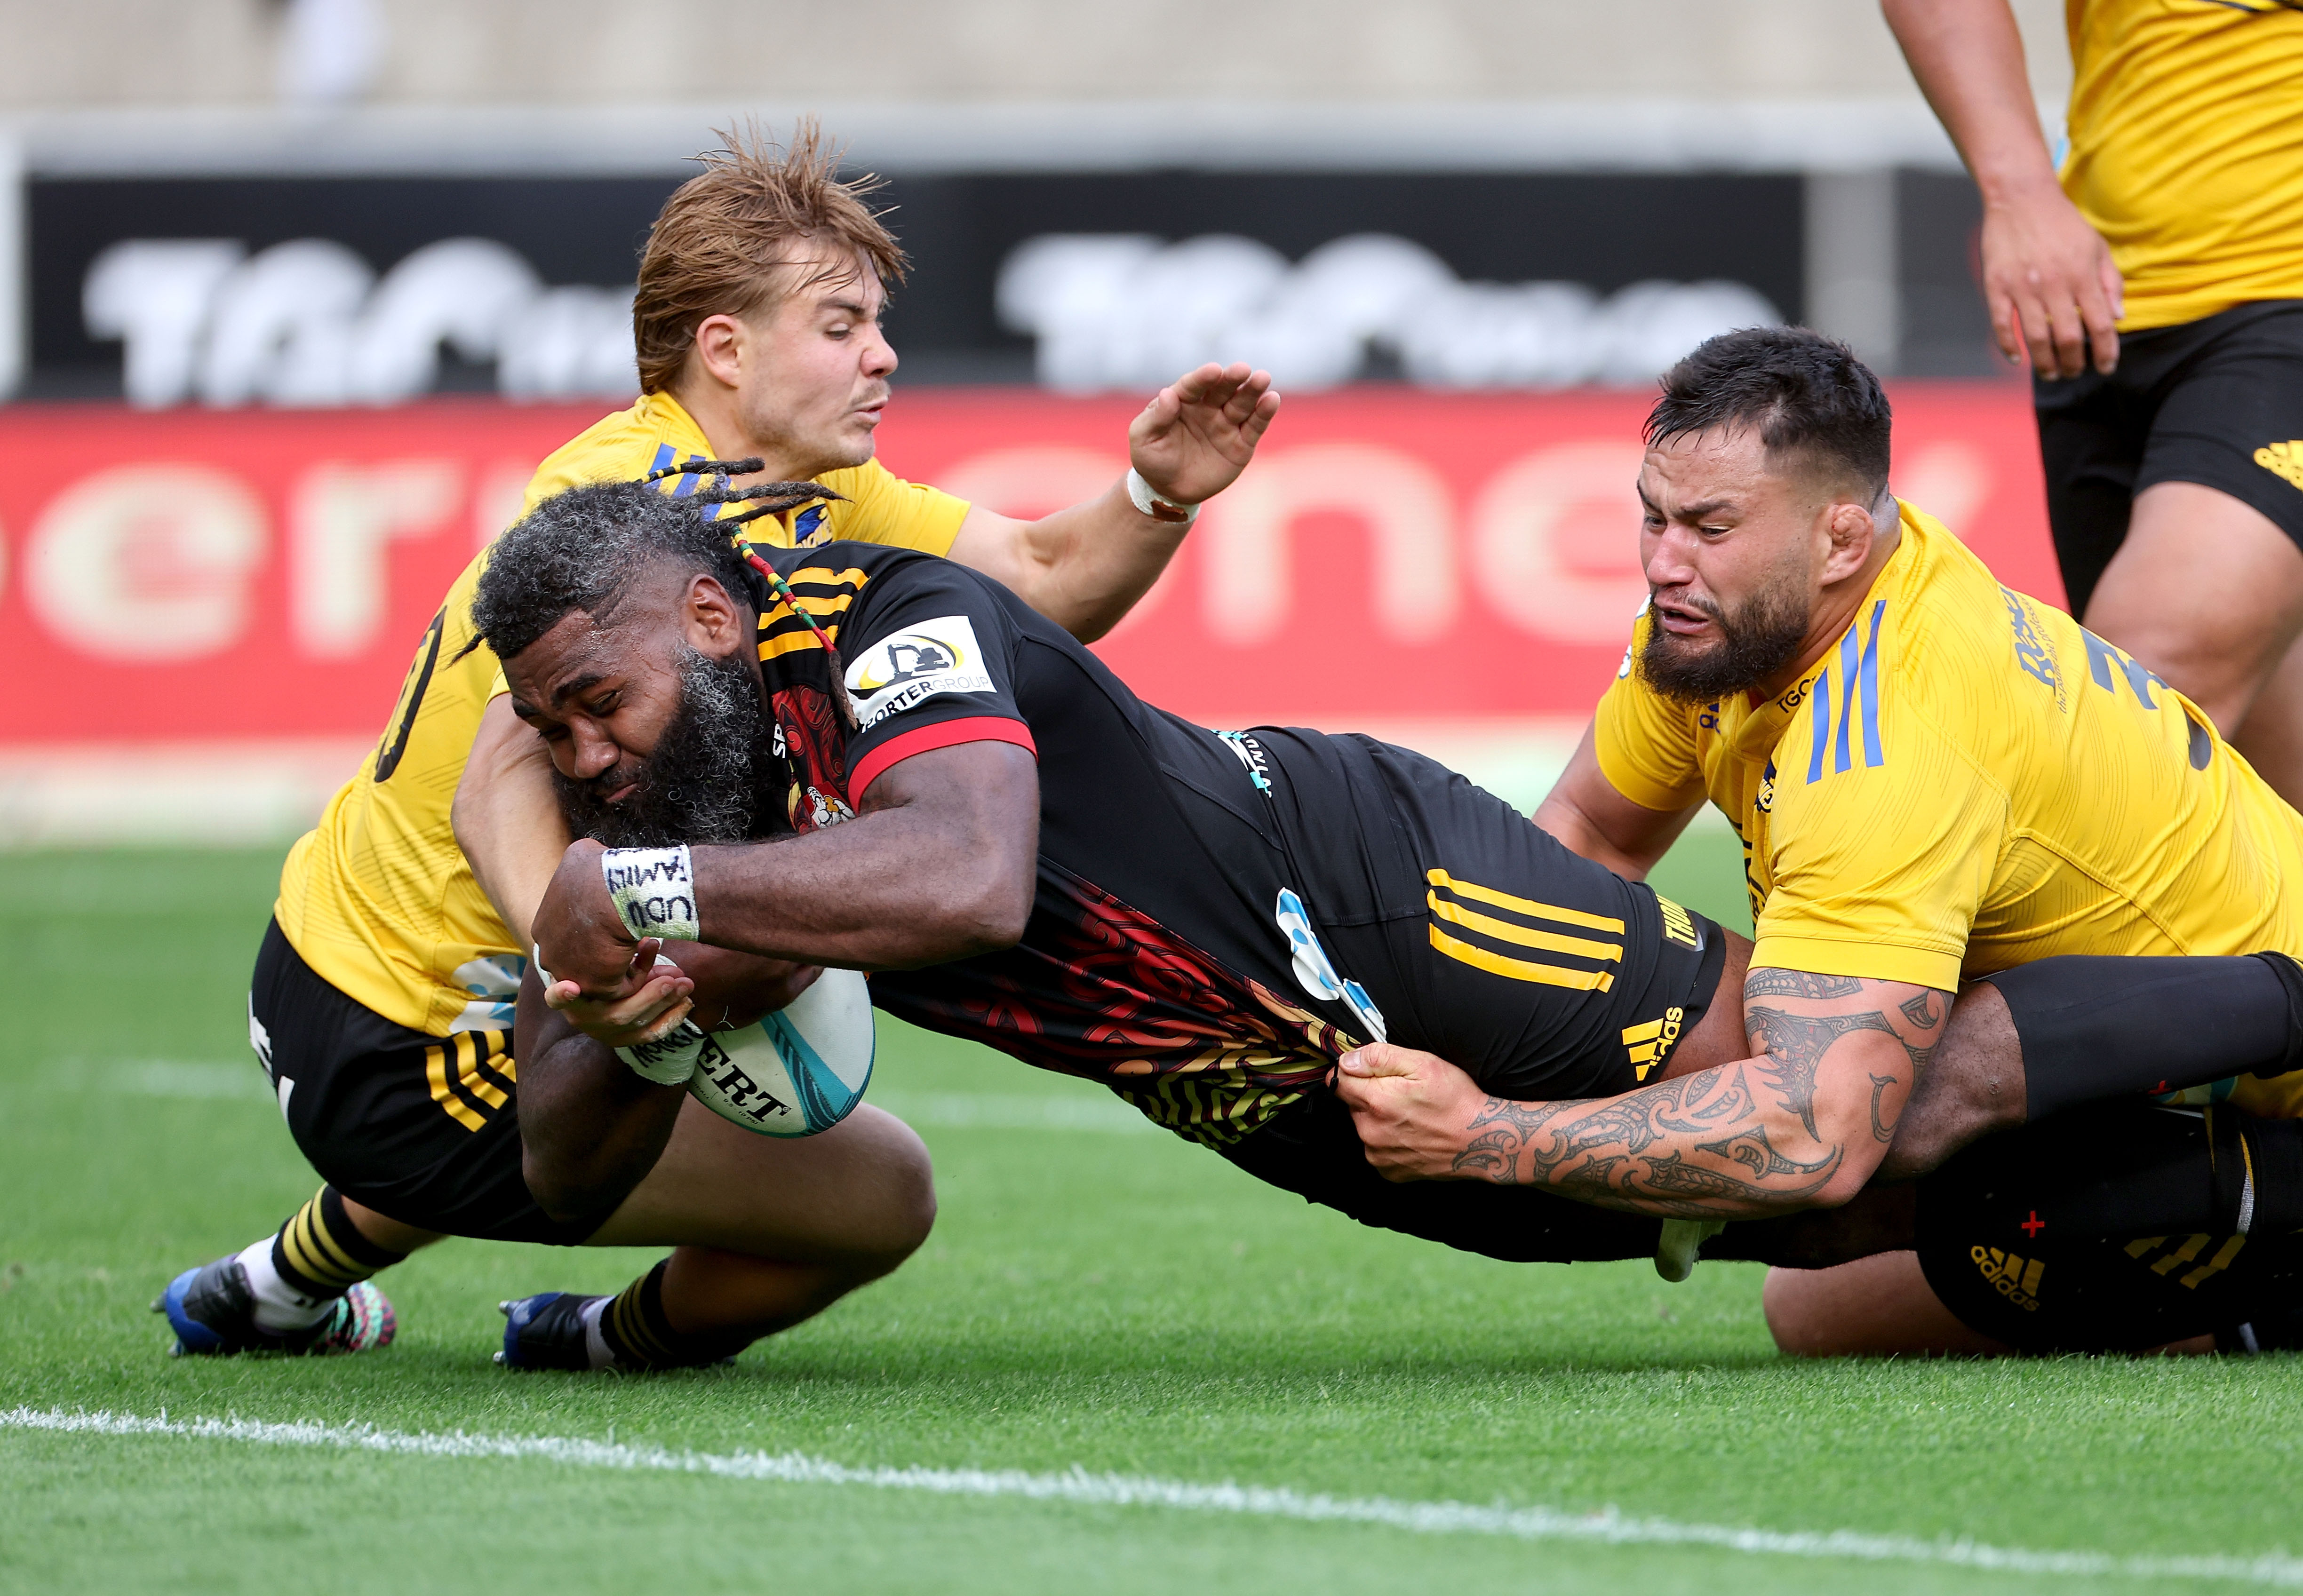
(989,914)
(563,1194)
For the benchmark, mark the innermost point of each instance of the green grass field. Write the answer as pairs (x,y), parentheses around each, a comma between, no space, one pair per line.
(1097,1297)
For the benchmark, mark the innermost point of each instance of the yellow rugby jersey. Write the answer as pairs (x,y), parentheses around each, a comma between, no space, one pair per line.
(2187,149)
(1966,781)
(377,899)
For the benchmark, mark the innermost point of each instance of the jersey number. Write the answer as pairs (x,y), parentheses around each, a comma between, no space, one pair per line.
(411,699)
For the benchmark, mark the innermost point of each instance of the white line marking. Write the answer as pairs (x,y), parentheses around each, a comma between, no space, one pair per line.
(1256,1501)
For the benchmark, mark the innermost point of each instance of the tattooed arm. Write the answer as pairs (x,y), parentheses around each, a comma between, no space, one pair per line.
(1801,1123)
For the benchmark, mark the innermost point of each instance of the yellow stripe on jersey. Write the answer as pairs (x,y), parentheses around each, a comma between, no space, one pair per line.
(1527,906)
(377,899)
(1520,969)
(1548,942)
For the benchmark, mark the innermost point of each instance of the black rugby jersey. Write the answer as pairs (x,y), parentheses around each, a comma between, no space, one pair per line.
(1202,939)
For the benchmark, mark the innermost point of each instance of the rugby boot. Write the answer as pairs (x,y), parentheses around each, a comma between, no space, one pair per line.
(212,1313)
(546,1331)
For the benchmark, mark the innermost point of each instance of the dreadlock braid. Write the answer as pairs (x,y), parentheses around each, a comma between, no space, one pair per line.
(782,590)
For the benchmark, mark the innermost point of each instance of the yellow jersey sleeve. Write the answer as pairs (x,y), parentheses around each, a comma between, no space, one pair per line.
(1882,839)
(882,508)
(1645,742)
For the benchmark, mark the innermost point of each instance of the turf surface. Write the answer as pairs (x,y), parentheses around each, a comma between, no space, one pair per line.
(1095,1295)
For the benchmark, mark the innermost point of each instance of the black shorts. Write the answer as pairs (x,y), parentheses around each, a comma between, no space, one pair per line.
(2217,401)
(1312,1148)
(421,1128)
(1457,913)
(2022,1236)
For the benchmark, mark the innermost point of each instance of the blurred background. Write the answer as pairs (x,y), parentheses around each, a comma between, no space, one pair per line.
(295,293)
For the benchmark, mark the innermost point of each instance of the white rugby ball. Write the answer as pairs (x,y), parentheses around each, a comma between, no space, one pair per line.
(801,1070)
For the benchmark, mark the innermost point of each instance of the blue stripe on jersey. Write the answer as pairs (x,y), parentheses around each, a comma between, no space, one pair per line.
(687,481)
(664,452)
(1873,755)
(1859,675)
(1819,716)
(1847,677)
(805,524)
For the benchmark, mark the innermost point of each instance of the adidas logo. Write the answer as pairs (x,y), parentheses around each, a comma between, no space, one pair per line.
(2012,1277)
(1650,1044)
(2284,460)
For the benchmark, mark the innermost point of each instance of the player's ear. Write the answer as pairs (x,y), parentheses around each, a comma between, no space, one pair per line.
(722,343)
(1850,528)
(715,624)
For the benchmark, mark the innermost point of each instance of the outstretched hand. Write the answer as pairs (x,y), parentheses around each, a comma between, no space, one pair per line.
(1198,433)
(2054,294)
(1413,1111)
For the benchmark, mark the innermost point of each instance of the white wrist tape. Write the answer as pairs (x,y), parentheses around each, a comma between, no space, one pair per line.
(1141,495)
(653,890)
(670,1059)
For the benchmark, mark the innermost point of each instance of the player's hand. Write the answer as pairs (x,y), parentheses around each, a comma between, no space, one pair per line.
(1413,1111)
(2055,297)
(1197,434)
(603,978)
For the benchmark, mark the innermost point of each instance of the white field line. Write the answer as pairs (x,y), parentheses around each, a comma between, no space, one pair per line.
(1078,1486)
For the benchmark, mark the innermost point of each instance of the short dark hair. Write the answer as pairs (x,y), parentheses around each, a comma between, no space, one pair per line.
(583,548)
(1805,394)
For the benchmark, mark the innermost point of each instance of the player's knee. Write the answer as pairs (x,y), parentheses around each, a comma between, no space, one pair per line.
(1800,1311)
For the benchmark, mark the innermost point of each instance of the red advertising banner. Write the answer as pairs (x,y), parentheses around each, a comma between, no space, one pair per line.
(234,576)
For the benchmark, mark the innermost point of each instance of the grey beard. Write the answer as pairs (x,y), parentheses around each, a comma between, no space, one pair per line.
(1760,640)
(708,780)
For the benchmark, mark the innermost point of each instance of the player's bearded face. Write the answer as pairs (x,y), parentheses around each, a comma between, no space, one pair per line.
(1757,639)
(705,781)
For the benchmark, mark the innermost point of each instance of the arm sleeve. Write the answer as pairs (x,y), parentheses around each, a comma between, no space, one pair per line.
(882,508)
(1879,870)
(1645,742)
(930,663)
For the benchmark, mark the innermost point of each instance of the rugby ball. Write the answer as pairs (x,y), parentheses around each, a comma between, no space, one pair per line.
(796,1071)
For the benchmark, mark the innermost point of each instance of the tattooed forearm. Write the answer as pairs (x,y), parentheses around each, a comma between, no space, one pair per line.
(1794,1046)
(1781,1130)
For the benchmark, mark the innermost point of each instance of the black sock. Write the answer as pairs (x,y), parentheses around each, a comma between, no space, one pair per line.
(637,1332)
(2094,1028)
(321,1253)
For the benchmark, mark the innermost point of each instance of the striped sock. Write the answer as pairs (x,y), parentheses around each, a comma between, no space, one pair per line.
(634,1326)
(320,1253)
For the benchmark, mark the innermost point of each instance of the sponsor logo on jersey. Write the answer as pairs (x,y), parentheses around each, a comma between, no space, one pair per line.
(2284,460)
(1649,1044)
(906,669)
(2012,1277)
(1678,925)
(2033,652)
(1766,801)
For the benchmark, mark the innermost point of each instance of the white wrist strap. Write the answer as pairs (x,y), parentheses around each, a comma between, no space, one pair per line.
(1140,494)
(670,1059)
(653,890)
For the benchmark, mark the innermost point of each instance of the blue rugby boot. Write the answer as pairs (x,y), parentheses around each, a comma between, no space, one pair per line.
(548,1331)
(213,1312)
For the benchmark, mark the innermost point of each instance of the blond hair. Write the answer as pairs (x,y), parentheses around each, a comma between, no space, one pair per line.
(723,240)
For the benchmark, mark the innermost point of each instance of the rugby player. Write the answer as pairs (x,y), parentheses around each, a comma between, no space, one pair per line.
(2155,286)
(383,998)
(1032,857)
(1936,779)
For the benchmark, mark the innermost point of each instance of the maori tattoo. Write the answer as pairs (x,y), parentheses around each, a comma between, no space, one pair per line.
(1795,1044)
(1798,983)
(1881,1131)
(1739,1139)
